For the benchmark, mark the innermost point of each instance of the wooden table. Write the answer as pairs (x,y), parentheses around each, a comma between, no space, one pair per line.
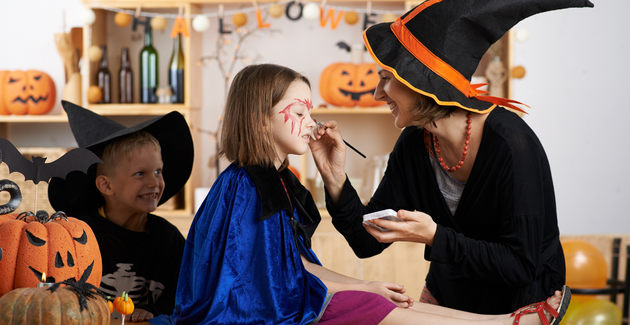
(119,321)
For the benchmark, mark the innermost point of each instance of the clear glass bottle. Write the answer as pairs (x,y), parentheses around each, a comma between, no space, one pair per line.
(148,68)
(176,71)
(125,78)
(104,79)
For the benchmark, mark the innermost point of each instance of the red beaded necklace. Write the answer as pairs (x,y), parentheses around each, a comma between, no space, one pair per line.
(439,152)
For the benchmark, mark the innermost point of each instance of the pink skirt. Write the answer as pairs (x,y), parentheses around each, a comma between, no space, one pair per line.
(356,307)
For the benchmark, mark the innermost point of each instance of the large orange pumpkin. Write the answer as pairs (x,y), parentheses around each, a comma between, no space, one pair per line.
(61,247)
(45,306)
(349,85)
(3,107)
(26,92)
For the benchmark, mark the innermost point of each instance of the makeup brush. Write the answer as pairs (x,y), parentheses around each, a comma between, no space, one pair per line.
(344,141)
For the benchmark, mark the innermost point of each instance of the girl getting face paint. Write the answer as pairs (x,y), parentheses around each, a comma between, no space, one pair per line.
(292,122)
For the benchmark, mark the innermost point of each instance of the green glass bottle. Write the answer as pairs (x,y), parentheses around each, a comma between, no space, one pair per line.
(176,71)
(148,68)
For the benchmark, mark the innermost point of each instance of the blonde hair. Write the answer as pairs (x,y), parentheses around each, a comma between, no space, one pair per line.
(247,136)
(124,147)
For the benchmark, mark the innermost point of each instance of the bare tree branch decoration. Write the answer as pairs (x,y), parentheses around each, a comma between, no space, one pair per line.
(227,69)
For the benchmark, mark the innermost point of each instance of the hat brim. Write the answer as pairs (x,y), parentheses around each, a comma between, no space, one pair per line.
(77,193)
(392,56)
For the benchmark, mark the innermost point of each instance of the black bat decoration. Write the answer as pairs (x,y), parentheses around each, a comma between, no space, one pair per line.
(38,170)
(342,45)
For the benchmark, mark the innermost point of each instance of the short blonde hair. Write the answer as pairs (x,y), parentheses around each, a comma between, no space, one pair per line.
(124,147)
(247,136)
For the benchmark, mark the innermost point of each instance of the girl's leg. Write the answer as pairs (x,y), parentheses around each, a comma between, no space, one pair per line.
(440,315)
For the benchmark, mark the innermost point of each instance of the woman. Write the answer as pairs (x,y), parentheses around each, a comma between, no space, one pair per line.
(248,259)
(469,178)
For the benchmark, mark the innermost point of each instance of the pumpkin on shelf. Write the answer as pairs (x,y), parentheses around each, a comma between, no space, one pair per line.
(67,302)
(349,84)
(31,244)
(26,92)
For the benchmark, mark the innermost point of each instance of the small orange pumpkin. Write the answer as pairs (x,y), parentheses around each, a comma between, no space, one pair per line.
(27,92)
(110,305)
(125,305)
(349,85)
(31,245)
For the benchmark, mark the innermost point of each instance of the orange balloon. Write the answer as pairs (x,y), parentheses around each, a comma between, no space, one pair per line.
(122,19)
(240,19)
(518,72)
(351,17)
(586,266)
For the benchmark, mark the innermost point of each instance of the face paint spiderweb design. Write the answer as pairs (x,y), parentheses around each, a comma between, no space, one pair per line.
(287,113)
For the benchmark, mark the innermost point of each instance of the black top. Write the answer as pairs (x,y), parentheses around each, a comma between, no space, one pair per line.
(501,249)
(143,264)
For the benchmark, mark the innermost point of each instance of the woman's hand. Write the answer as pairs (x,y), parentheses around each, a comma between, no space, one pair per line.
(417,227)
(392,291)
(329,152)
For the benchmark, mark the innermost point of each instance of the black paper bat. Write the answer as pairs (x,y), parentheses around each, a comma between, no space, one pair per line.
(38,170)
(344,46)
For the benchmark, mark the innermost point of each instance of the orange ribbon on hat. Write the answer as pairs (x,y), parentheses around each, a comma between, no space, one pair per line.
(437,65)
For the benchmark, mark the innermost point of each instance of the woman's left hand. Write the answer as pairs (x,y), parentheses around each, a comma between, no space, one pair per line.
(417,227)
(392,291)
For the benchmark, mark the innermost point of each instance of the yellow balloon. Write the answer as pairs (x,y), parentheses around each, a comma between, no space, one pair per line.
(351,17)
(240,19)
(122,19)
(594,312)
(159,23)
(389,17)
(276,10)
(94,53)
(94,94)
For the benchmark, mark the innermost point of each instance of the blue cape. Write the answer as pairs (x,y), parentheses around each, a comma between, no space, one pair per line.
(241,262)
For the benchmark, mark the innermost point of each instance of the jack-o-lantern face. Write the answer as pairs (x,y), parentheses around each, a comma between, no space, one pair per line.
(3,106)
(62,249)
(348,85)
(32,92)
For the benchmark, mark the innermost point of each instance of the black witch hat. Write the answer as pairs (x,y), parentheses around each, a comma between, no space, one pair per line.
(78,192)
(436,47)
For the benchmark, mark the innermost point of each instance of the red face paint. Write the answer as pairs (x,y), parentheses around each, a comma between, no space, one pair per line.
(287,113)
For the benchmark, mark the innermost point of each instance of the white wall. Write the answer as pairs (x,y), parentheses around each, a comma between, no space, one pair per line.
(577,76)
(577,83)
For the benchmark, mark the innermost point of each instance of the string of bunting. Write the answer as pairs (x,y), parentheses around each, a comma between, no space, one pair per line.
(308,10)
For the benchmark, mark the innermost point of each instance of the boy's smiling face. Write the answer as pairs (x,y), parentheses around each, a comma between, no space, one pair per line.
(137,184)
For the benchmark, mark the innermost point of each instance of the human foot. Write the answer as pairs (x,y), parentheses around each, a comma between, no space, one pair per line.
(548,312)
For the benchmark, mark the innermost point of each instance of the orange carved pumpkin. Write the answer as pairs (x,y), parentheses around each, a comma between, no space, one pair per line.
(3,107)
(31,245)
(349,85)
(27,92)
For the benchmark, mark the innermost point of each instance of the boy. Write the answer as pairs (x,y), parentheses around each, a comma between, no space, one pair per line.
(143,166)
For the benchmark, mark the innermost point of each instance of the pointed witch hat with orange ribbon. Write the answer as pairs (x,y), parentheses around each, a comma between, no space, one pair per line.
(436,47)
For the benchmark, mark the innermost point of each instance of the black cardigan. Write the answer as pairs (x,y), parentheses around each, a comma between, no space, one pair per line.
(501,249)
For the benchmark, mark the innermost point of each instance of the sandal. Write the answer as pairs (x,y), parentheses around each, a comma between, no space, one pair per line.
(540,308)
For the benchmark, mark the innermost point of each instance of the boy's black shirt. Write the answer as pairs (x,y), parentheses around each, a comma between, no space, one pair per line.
(143,264)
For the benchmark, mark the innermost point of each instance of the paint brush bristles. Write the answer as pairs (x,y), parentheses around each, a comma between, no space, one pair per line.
(344,141)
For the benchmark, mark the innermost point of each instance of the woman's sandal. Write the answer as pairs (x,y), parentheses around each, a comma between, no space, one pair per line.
(540,308)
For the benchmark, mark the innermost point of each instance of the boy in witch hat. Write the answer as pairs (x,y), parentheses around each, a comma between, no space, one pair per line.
(469,178)
(143,166)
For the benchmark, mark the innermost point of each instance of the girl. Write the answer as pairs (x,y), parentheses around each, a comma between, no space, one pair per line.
(247,258)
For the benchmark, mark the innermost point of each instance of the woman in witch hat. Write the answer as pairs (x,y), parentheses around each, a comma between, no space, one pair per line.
(469,178)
